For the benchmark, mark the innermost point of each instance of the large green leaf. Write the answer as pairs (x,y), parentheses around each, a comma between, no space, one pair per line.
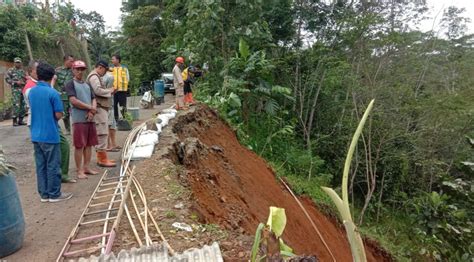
(234,100)
(256,242)
(243,49)
(277,220)
(281,90)
(285,249)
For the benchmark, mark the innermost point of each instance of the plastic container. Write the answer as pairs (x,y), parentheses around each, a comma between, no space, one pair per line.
(159,87)
(12,222)
(134,112)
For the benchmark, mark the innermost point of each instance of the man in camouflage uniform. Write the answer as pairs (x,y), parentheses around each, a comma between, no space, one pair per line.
(16,78)
(64,75)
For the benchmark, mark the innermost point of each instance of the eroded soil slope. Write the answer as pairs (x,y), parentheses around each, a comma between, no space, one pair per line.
(233,187)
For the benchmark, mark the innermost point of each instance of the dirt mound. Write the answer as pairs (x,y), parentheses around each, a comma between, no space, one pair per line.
(234,187)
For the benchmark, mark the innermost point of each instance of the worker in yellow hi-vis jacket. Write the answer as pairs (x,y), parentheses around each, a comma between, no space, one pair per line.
(121,80)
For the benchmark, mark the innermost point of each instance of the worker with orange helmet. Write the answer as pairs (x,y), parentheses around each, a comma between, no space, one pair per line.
(179,83)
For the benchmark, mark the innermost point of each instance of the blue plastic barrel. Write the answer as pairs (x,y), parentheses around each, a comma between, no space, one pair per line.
(12,223)
(159,88)
(159,91)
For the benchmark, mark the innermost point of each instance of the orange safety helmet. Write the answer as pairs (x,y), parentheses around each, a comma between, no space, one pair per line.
(79,64)
(180,60)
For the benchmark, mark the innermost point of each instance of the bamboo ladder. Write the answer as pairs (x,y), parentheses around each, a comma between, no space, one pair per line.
(106,206)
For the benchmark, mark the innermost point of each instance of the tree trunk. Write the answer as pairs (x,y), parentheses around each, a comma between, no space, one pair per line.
(312,110)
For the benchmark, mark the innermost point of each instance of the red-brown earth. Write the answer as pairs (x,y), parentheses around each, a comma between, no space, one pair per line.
(233,187)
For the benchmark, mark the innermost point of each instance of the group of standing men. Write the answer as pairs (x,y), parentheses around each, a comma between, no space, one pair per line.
(85,102)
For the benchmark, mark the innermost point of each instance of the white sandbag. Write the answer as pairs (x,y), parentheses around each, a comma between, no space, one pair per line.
(169,110)
(142,152)
(170,115)
(164,119)
(148,137)
(158,126)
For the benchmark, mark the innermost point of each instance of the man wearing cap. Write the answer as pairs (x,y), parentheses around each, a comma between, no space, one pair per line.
(64,75)
(16,78)
(179,83)
(102,95)
(84,107)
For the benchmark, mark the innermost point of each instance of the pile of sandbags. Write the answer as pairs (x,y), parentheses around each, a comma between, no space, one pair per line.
(145,143)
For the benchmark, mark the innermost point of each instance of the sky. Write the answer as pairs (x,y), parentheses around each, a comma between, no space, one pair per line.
(110,9)
(437,6)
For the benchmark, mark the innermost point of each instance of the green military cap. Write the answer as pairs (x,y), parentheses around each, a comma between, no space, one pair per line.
(17,60)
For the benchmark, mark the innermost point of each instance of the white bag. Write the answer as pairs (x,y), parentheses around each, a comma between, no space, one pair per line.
(170,115)
(142,152)
(147,97)
(148,137)
(164,119)
(158,126)
(170,110)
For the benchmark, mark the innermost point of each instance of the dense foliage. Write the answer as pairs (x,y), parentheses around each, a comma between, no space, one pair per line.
(293,78)
(52,32)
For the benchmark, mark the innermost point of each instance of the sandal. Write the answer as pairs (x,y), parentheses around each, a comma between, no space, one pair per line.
(115,149)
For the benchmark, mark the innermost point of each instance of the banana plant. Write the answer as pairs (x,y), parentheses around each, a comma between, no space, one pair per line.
(355,240)
(270,236)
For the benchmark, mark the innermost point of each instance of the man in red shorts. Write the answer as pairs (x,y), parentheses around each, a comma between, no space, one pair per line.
(84,107)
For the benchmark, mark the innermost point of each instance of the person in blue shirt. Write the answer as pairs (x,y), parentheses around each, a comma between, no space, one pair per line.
(46,110)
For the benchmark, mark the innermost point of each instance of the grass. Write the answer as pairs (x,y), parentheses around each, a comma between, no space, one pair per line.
(395,233)
(170,214)
(177,191)
(215,231)
(173,170)
(194,217)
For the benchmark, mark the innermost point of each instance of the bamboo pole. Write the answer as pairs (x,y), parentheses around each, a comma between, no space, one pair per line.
(172,252)
(28,46)
(119,214)
(132,225)
(310,220)
(144,224)
(145,229)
